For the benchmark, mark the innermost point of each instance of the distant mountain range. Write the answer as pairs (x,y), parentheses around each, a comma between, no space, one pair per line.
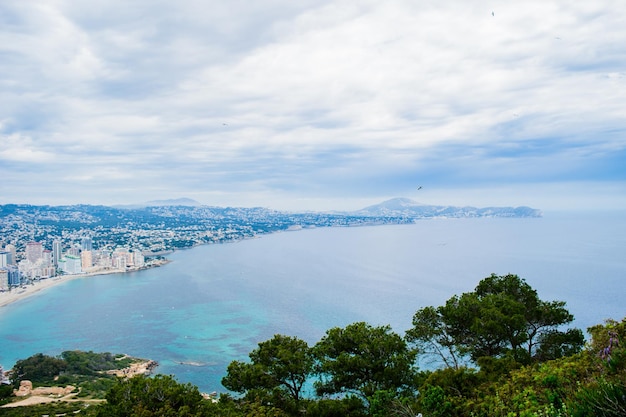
(186,202)
(161,226)
(396,207)
(404,207)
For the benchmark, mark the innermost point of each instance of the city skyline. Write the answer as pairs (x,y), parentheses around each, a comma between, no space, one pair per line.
(331,105)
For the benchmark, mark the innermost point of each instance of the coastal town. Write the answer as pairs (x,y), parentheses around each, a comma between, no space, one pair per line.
(40,244)
(44,244)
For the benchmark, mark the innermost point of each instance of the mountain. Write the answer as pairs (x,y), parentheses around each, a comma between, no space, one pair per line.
(187,202)
(173,202)
(405,207)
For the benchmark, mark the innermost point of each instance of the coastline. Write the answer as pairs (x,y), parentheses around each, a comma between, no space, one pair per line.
(17,294)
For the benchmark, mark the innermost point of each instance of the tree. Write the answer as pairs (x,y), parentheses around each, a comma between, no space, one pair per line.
(39,368)
(536,322)
(502,317)
(361,359)
(159,396)
(431,337)
(282,363)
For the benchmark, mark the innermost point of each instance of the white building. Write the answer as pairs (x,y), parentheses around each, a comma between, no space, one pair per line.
(138,259)
(70,264)
(34,252)
(56,252)
(13,251)
(4,279)
(4,258)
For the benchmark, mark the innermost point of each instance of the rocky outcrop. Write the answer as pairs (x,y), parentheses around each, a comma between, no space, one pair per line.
(139,368)
(26,388)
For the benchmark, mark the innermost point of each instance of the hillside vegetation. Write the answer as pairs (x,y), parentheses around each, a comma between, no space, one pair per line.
(496,351)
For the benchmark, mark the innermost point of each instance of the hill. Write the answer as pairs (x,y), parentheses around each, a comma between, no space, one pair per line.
(405,207)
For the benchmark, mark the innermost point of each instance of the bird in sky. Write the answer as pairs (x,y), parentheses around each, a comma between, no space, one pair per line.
(419,188)
(493,14)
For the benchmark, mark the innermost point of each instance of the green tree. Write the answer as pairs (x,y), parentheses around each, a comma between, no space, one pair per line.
(431,337)
(159,396)
(39,369)
(435,402)
(502,317)
(282,363)
(361,359)
(535,322)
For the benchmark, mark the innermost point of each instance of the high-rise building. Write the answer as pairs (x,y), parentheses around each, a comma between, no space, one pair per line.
(86,244)
(34,252)
(4,258)
(46,257)
(4,279)
(86,259)
(12,250)
(138,259)
(72,264)
(56,252)
(9,277)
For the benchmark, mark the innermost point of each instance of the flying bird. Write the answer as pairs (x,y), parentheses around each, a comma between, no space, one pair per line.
(493,14)
(419,188)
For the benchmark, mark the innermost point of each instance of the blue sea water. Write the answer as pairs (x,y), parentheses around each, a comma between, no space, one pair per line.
(213,304)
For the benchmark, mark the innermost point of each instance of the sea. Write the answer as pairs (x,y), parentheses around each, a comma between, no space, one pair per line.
(213,304)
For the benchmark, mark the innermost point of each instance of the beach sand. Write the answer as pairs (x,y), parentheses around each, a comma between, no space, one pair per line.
(16,294)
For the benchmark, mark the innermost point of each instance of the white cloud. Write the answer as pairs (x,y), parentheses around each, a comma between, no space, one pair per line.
(21,148)
(315,98)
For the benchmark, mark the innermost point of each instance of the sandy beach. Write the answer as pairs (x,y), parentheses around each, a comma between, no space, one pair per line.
(16,294)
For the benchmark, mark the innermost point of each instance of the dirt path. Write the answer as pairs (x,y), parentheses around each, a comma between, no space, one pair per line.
(45,399)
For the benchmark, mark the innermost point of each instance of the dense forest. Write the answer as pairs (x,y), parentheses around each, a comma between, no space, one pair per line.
(496,351)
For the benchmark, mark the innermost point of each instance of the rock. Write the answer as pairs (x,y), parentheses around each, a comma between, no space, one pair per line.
(26,387)
(139,368)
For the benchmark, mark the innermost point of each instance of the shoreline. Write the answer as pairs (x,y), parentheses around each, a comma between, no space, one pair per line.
(20,293)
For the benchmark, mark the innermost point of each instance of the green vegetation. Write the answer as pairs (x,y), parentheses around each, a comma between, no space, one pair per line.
(39,369)
(502,321)
(280,366)
(502,352)
(363,360)
(158,396)
(84,370)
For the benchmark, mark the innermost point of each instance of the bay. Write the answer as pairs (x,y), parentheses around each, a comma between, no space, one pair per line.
(213,304)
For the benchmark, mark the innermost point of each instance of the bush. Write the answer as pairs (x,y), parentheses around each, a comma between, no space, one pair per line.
(601,399)
(39,369)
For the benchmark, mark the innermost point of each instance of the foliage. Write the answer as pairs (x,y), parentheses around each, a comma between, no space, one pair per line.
(389,403)
(81,369)
(529,370)
(361,359)
(608,342)
(51,409)
(600,399)
(431,338)
(502,317)
(349,406)
(90,363)
(435,402)
(147,397)
(230,407)
(282,364)
(39,369)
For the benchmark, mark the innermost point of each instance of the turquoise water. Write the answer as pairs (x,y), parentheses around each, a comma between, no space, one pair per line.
(214,303)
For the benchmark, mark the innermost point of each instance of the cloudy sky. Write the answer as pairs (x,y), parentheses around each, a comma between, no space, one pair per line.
(313,104)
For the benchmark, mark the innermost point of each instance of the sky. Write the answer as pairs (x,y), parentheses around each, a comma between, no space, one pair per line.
(314,105)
